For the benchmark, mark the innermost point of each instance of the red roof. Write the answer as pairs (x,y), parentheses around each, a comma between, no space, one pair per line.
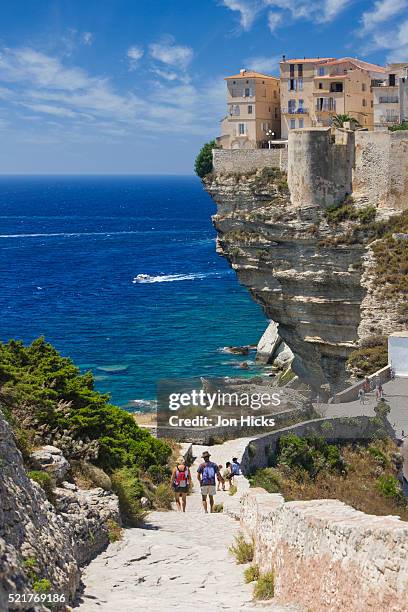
(251,74)
(359,63)
(308,60)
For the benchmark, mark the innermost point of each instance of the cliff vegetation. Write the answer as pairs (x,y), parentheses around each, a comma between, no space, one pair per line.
(363,476)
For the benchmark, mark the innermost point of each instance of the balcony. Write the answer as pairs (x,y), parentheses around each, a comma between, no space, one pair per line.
(388,100)
(295,111)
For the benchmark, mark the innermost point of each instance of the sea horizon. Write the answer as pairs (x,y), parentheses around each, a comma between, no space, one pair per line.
(86,246)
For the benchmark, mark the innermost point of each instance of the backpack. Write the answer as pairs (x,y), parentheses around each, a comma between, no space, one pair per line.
(181,476)
(235,469)
(208,473)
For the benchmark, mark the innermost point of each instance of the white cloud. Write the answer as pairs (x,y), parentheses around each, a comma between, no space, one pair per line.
(87,38)
(248,10)
(168,52)
(267,64)
(383,11)
(274,21)
(134,54)
(90,106)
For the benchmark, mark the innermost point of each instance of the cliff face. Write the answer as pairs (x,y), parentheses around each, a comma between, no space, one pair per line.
(40,541)
(308,275)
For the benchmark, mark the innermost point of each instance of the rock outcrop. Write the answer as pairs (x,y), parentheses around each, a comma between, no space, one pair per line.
(312,291)
(315,279)
(51,460)
(272,350)
(51,540)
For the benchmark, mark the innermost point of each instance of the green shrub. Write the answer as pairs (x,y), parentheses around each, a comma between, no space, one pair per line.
(42,585)
(343,211)
(115,531)
(399,126)
(40,384)
(129,489)
(367,214)
(368,359)
(389,486)
(232,490)
(265,586)
(242,550)
(382,409)
(251,573)
(268,479)
(310,453)
(204,161)
(378,455)
(163,496)
(158,473)
(218,508)
(45,481)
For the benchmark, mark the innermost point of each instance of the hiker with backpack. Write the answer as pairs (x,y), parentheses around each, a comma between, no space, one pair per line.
(207,473)
(180,481)
(235,467)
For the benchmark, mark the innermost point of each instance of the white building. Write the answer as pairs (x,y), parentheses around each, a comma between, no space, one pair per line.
(390,97)
(398,352)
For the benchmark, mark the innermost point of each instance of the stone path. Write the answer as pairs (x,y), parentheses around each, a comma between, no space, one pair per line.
(176,562)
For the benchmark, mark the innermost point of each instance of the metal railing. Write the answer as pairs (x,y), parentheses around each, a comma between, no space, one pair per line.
(295,111)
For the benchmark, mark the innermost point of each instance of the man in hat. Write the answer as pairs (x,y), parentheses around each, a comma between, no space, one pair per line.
(207,473)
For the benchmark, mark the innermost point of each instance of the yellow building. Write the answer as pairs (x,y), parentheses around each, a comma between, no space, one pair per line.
(253,111)
(315,89)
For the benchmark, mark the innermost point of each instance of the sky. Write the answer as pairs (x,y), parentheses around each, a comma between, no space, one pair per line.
(136,86)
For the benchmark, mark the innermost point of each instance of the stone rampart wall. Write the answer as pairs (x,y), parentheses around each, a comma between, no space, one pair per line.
(348,560)
(226,161)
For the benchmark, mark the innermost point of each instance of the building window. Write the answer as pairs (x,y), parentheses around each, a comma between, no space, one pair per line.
(234,110)
(276,113)
(292,85)
(320,71)
(300,70)
(241,129)
(292,70)
(363,86)
(275,94)
(291,106)
(364,102)
(300,84)
(292,124)
(301,123)
(320,85)
(247,92)
(392,80)
(250,109)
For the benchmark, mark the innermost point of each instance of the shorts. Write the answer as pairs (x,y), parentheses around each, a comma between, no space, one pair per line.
(180,489)
(208,490)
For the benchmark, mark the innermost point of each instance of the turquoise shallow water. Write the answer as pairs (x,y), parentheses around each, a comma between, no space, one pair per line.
(70,249)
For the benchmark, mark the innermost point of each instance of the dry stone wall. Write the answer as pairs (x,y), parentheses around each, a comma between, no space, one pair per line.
(348,560)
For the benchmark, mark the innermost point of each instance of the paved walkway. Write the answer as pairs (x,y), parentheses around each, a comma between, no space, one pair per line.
(395,394)
(176,562)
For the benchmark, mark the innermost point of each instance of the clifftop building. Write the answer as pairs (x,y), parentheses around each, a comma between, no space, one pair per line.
(253,115)
(391,97)
(315,89)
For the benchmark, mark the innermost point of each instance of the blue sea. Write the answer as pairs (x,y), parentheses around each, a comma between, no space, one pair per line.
(70,251)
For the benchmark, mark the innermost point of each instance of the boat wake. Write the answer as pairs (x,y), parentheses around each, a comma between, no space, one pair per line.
(172,278)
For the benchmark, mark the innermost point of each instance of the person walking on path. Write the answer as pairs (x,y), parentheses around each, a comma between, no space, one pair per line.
(235,467)
(180,481)
(227,475)
(207,473)
(361,395)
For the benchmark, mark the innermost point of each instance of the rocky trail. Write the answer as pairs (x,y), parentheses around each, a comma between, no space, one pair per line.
(176,561)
